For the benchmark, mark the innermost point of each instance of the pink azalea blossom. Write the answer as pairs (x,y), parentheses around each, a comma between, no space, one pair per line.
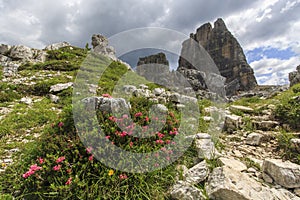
(163,149)
(106,95)
(147,119)
(89,149)
(131,144)
(125,116)
(160,135)
(35,168)
(173,133)
(41,160)
(139,114)
(112,118)
(159,142)
(60,159)
(60,124)
(123,176)
(91,158)
(31,171)
(123,134)
(168,141)
(27,174)
(69,181)
(107,137)
(57,167)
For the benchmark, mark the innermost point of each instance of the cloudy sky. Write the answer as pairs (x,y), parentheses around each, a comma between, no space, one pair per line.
(268,30)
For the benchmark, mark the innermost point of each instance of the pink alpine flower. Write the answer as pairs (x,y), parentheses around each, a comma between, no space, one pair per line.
(27,174)
(35,168)
(160,135)
(60,124)
(147,119)
(57,167)
(31,171)
(69,181)
(123,134)
(163,149)
(173,132)
(112,118)
(91,157)
(159,142)
(123,176)
(131,144)
(89,150)
(139,114)
(60,159)
(106,95)
(168,141)
(41,160)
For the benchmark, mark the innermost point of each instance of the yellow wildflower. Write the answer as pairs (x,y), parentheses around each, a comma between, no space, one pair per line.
(111,172)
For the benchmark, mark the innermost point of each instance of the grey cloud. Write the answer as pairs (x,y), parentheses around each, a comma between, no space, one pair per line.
(187,15)
(279,25)
(107,17)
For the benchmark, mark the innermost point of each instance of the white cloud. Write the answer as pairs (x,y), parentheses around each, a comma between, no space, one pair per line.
(266,14)
(289,5)
(272,71)
(270,27)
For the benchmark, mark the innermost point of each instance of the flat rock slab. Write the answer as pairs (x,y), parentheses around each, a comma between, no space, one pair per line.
(233,164)
(60,87)
(198,173)
(205,148)
(225,183)
(185,191)
(286,174)
(232,123)
(243,109)
(254,139)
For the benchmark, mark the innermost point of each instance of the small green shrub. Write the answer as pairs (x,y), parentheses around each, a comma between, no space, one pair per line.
(289,112)
(248,101)
(213,163)
(284,144)
(8,93)
(296,88)
(248,125)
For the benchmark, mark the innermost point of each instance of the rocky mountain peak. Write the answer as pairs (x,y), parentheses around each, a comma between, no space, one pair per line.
(220,25)
(227,54)
(294,77)
(159,58)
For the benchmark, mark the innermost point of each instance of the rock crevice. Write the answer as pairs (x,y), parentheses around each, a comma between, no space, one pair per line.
(226,53)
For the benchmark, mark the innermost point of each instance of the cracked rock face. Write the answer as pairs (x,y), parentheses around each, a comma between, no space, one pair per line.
(286,174)
(100,46)
(226,53)
(226,184)
(294,77)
